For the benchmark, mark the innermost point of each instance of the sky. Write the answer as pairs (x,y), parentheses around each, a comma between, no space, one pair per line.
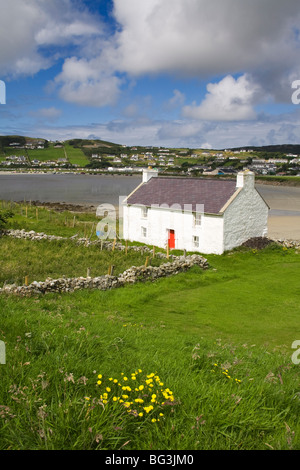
(209,74)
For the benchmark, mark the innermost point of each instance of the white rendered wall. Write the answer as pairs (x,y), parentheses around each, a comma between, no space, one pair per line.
(246,217)
(159,221)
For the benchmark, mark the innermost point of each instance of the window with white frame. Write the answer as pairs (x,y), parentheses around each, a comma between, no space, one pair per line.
(144,212)
(196,242)
(144,232)
(197,219)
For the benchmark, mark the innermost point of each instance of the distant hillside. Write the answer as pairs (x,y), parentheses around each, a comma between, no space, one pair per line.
(285,148)
(90,143)
(102,146)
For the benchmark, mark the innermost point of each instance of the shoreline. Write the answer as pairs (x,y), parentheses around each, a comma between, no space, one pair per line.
(82,172)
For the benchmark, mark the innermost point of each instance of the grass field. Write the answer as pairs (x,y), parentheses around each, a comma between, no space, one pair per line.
(201,360)
(76,156)
(11,151)
(47,154)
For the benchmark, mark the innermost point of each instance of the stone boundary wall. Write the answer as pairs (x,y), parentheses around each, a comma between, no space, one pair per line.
(105,282)
(105,245)
(130,276)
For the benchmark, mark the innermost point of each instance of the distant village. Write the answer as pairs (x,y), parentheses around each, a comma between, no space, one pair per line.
(195,162)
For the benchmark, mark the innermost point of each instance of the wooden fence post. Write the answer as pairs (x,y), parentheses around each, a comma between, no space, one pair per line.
(26,280)
(111,269)
(147,261)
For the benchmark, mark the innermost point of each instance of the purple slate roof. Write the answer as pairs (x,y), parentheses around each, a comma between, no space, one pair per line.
(213,194)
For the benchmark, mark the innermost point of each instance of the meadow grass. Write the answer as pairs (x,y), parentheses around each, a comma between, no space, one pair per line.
(46,154)
(50,221)
(76,156)
(40,259)
(198,361)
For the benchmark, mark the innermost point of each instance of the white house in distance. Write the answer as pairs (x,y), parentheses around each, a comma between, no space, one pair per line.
(194,214)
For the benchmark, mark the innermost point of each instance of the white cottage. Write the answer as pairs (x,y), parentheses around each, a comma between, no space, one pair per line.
(204,215)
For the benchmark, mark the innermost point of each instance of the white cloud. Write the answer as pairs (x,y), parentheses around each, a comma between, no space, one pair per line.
(26,26)
(86,83)
(196,38)
(192,38)
(200,37)
(228,100)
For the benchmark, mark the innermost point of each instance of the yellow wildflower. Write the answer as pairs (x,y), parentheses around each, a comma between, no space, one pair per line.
(148,408)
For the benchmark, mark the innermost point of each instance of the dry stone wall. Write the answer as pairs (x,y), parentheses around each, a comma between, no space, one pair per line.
(130,276)
(105,244)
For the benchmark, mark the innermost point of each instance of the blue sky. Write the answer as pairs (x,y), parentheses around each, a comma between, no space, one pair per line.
(176,73)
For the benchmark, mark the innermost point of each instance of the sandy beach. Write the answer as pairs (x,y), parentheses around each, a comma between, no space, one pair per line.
(284,227)
(284,215)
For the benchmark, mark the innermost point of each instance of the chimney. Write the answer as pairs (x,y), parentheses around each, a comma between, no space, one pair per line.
(245,179)
(148,174)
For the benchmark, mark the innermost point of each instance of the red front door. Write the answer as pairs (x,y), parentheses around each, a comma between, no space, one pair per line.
(171,240)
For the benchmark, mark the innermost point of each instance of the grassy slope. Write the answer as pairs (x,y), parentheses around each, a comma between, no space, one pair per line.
(76,156)
(240,316)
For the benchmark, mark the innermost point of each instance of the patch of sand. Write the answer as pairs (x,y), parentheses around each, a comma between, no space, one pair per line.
(284,227)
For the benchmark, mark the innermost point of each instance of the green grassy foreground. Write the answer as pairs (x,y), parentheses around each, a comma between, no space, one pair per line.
(201,360)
